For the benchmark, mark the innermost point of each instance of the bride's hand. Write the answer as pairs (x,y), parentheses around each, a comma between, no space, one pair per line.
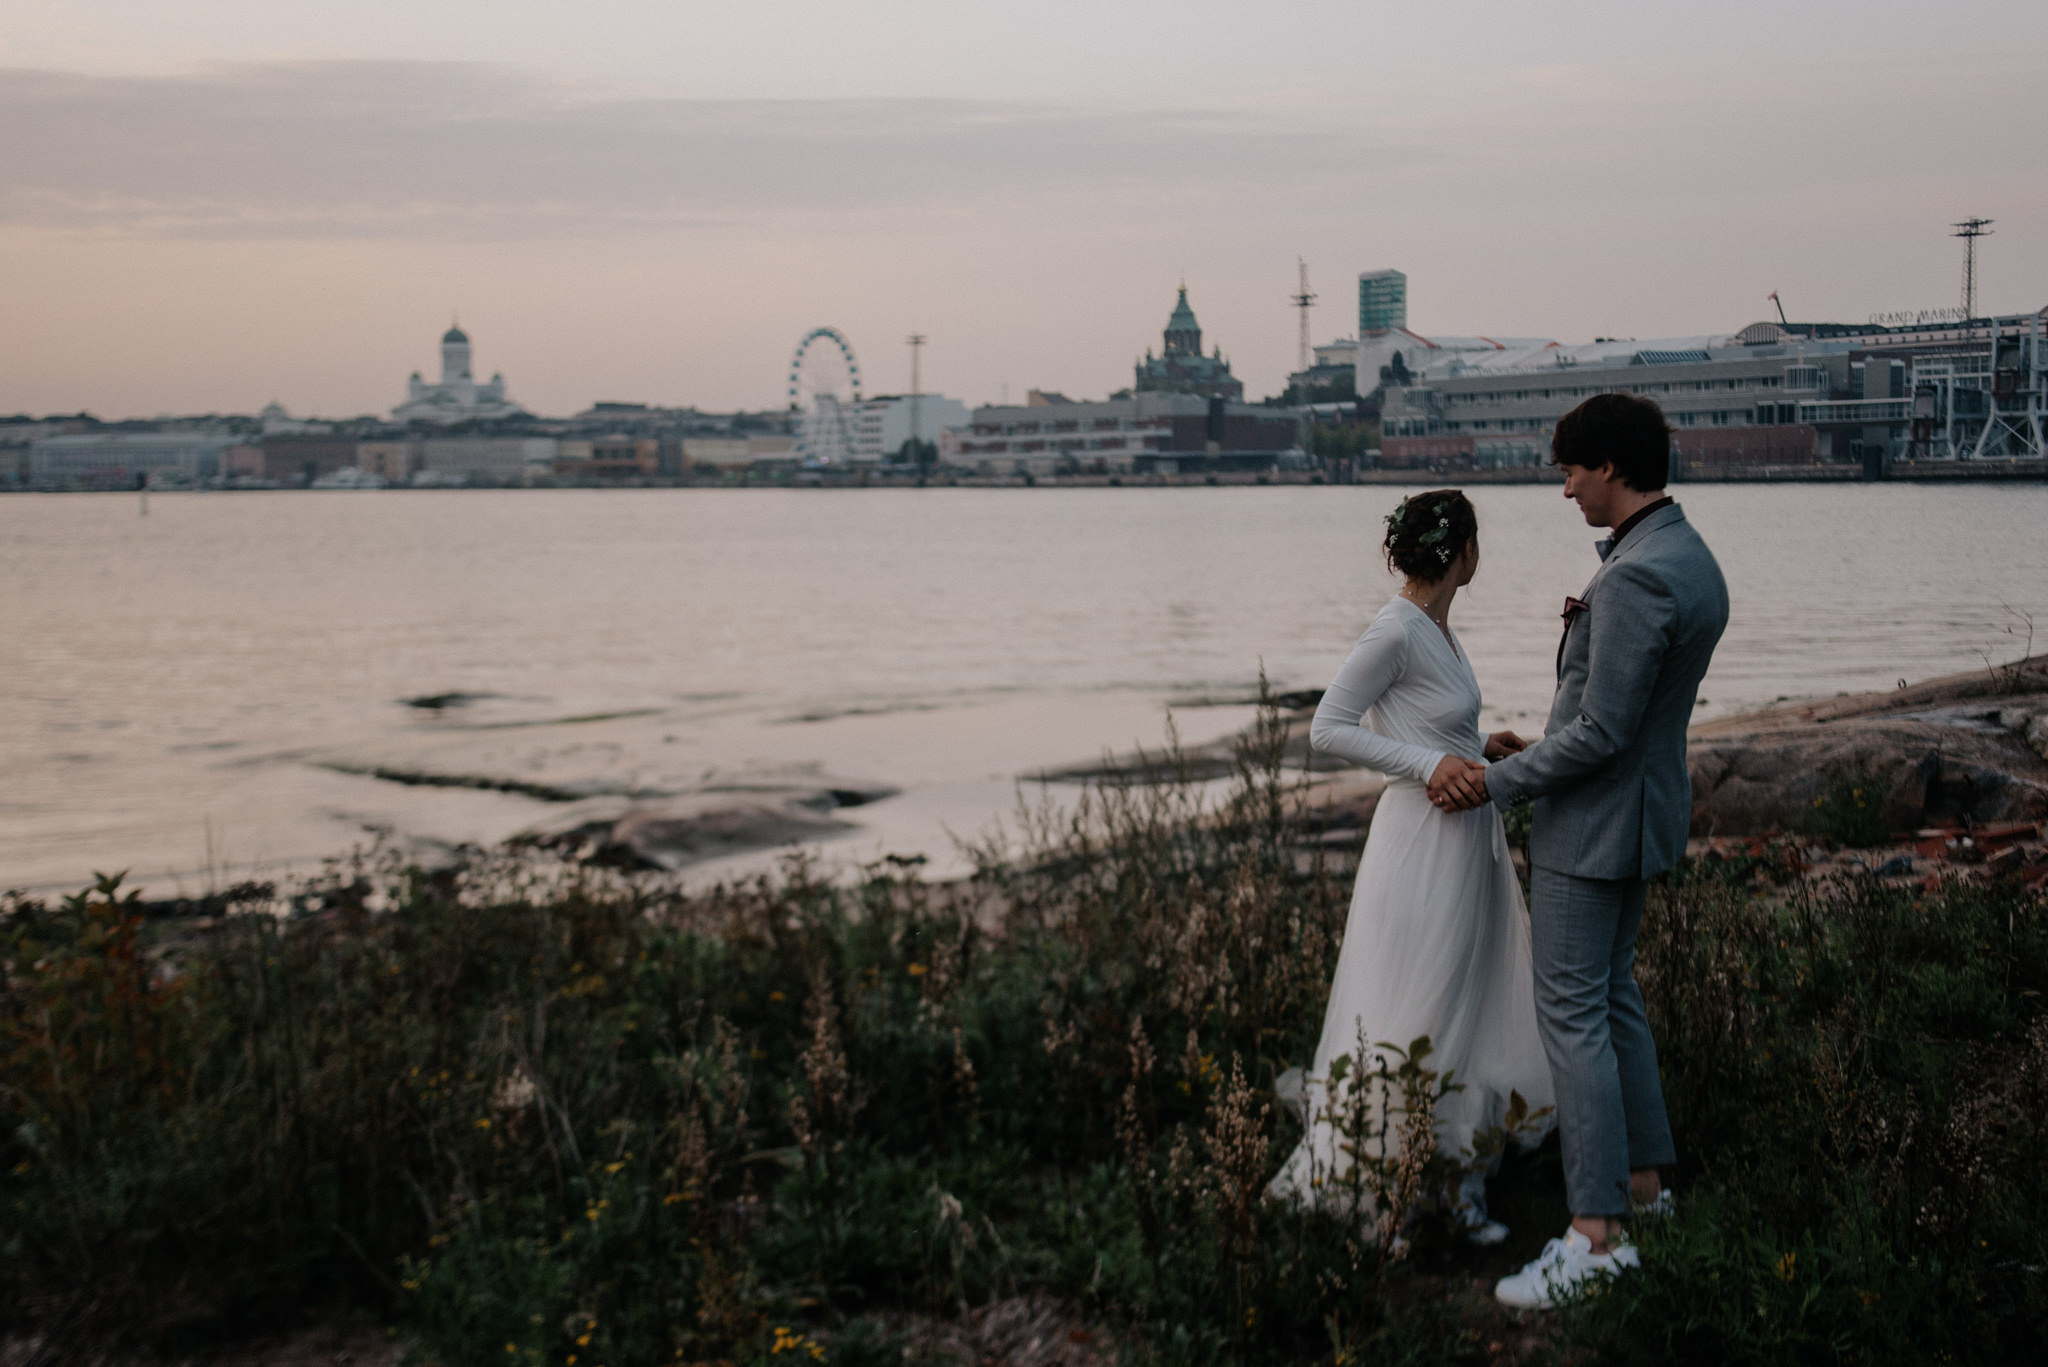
(1501,744)
(1457,784)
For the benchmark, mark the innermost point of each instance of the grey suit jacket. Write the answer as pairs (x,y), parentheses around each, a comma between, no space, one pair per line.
(1613,799)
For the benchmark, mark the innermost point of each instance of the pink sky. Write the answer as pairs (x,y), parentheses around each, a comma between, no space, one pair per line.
(213,205)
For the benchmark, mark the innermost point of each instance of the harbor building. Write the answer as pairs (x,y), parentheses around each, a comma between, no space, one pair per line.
(1332,376)
(1181,368)
(617,456)
(1386,351)
(1394,356)
(1144,434)
(483,460)
(301,457)
(882,425)
(424,462)
(115,459)
(458,397)
(1771,395)
(737,454)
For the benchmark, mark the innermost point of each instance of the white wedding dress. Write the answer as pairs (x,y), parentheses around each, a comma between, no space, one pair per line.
(1437,942)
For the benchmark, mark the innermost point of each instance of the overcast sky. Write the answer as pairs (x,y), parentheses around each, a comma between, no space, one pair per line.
(207,205)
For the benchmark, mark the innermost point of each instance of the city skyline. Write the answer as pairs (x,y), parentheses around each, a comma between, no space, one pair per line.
(215,214)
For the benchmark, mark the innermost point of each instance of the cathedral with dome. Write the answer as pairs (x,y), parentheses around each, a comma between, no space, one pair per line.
(458,397)
(1183,369)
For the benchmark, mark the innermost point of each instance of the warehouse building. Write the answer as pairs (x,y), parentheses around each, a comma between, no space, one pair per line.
(1769,395)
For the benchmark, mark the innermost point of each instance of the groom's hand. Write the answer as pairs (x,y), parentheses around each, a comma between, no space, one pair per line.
(1458,784)
(1501,744)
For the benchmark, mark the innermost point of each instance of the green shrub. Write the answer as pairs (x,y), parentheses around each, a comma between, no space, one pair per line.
(531,1114)
(1858,1075)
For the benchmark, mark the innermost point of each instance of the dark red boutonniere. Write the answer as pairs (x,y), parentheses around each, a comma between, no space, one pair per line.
(1573,607)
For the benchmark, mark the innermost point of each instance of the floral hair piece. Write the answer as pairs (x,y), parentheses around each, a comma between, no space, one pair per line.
(1397,525)
(1395,521)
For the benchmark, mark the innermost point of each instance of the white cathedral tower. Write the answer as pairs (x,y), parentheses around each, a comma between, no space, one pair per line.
(454,355)
(458,397)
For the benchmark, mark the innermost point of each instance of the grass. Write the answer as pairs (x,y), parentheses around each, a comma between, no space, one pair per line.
(529,1115)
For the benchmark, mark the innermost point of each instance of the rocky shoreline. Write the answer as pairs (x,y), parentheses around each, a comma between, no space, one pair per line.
(1962,751)
(1944,760)
(1938,759)
(1951,771)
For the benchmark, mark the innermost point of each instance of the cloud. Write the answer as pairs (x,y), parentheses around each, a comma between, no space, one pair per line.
(467,151)
(257,231)
(367,149)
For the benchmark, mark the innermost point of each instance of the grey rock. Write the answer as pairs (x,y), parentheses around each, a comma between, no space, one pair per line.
(2037,734)
(1965,748)
(676,832)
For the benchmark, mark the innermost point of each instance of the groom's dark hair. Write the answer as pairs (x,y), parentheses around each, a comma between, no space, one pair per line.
(1619,429)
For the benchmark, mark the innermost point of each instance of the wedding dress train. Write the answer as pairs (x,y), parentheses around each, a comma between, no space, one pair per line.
(1437,943)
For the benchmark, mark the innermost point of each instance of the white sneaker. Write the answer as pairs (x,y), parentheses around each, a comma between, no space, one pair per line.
(1566,1267)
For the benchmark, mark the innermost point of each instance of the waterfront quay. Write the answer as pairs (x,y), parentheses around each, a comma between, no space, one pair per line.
(1945,398)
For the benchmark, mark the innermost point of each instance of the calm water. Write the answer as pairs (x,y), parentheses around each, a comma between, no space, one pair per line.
(183,691)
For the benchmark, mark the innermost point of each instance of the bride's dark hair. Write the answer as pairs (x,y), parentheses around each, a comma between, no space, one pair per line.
(1428,532)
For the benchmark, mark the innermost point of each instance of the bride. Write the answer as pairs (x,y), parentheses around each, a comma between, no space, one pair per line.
(1437,942)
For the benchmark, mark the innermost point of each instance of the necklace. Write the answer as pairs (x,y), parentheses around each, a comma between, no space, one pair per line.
(1424,609)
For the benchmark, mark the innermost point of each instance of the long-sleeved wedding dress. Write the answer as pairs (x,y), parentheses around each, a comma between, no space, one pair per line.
(1437,942)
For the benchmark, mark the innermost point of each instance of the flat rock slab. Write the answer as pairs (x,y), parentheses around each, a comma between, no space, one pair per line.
(1200,763)
(1967,749)
(676,832)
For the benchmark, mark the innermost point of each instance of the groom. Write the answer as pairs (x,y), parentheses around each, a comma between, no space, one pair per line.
(1613,804)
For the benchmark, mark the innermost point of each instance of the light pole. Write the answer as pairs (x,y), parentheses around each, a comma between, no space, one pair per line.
(916,341)
(1970,229)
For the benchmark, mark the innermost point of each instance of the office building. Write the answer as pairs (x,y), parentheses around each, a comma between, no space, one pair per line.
(1382,302)
(882,425)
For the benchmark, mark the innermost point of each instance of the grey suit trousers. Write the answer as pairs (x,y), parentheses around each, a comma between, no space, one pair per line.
(1610,1105)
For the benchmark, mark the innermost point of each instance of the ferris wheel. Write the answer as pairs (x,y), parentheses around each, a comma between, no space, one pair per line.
(824,392)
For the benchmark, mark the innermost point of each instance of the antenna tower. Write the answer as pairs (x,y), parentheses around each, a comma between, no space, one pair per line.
(916,341)
(1970,229)
(1304,301)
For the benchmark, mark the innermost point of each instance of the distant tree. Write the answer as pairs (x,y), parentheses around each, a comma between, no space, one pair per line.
(1335,391)
(1331,442)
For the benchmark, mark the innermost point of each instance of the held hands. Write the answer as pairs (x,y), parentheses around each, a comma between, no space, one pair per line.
(1458,784)
(1501,744)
